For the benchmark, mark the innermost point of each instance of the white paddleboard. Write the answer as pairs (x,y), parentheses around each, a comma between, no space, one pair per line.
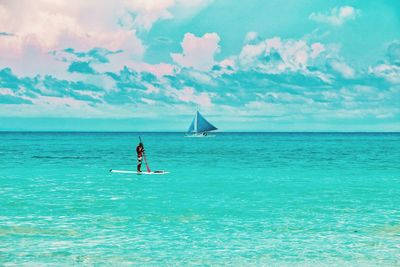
(134,172)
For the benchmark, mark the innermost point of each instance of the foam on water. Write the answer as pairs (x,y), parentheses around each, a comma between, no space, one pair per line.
(236,199)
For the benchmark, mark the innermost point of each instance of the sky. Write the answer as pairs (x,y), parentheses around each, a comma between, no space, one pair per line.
(148,65)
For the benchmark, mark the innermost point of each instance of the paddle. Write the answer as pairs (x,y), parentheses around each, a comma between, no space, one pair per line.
(144,156)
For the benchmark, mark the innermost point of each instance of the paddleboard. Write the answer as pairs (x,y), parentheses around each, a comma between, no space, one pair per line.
(134,172)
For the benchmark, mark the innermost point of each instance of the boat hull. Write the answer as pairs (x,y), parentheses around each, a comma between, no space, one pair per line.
(199,135)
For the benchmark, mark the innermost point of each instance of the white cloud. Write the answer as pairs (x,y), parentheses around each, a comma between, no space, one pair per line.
(198,52)
(389,69)
(342,68)
(226,66)
(151,89)
(42,26)
(147,12)
(250,53)
(189,95)
(337,16)
(49,25)
(148,101)
(276,56)
(317,48)
(389,72)
(159,70)
(71,24)
(250,36)
(201,77)
(311,59)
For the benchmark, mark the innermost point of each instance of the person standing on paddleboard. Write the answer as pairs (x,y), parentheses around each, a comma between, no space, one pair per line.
(139,151)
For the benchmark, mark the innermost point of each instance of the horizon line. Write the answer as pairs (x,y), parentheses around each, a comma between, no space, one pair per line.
(218,132)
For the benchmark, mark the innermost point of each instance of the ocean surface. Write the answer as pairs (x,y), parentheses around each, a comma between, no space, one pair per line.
(241,199)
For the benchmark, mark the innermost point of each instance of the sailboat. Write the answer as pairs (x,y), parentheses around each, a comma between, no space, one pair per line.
(200,127)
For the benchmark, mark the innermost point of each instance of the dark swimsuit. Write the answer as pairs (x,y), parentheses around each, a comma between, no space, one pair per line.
(139,151)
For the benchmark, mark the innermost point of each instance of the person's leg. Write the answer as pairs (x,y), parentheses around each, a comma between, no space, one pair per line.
(139,164)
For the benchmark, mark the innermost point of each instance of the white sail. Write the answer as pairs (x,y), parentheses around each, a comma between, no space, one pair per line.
(200,124)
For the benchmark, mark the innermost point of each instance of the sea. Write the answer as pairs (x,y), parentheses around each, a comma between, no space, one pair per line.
(236,199)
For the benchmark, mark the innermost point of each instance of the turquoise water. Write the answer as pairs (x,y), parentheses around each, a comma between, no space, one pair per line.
(242,199)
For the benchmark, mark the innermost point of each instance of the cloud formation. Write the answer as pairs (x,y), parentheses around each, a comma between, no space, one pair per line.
(142,14)
(94,65)
(389,69)
(276,56)
(270,78)
(198,52)
(72,25)
(337,16)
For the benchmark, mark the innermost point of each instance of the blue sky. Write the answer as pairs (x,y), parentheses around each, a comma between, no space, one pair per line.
(247,65)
